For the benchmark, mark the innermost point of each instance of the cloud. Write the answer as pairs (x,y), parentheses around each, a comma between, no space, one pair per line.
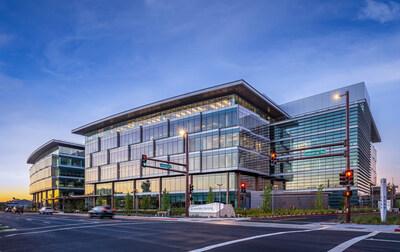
(380,12)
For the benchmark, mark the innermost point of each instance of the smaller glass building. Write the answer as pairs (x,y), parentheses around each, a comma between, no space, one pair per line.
(58,171)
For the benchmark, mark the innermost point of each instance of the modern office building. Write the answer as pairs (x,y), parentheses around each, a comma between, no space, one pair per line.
(320,120)
(57,171)
(232,129)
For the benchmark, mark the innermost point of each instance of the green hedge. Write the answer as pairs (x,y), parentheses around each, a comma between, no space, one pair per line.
(372,219)
(278,212)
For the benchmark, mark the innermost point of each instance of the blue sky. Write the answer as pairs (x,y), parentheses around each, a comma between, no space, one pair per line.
(66,63)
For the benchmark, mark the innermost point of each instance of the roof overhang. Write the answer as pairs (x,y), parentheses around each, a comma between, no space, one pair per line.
(48,146)
(375,136)
(239,87)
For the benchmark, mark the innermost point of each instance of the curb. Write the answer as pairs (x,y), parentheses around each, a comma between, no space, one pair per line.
(304,215)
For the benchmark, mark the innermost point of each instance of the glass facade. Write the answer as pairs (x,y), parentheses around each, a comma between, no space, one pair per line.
(220,131)
(319,129)
(57,172)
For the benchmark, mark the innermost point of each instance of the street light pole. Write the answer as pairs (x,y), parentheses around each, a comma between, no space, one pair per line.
(347,152)
(187,175)
(348,205)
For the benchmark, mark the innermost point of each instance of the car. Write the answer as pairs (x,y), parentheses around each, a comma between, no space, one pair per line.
(46,210)
(101,211)
(18,210)
(8,210)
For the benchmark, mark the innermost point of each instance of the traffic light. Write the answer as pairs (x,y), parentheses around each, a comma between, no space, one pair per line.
(191,188)
(349,177)
(273,158)
(347,193)
(243,187)
(342,178)
(144,160)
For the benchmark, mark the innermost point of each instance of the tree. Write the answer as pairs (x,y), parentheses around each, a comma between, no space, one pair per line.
(210,196)
(146,186)
(165,201)
(117,205)
(267,199)
(128,203)
(319,202)
(99,201)
(81,205)
(146,202)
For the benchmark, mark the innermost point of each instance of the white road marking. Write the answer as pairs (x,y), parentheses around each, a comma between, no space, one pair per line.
(3,226)
(373,239)
(80,227)
(55,226)
(349,243)
(252,238)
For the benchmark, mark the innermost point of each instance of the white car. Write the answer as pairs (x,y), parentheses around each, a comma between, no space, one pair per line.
(46,210)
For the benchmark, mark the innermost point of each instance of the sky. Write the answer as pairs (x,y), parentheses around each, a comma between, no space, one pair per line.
(67,63)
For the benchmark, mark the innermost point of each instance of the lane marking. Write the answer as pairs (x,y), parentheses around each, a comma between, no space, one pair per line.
(252,238)
(7,230)
(373,239)
(347,244)
(61,225)
(69,228)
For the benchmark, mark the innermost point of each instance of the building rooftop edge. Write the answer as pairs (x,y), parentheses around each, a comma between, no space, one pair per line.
(51,144)
(183,99)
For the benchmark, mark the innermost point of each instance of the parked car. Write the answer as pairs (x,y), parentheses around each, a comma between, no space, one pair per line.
(46,210)
(101,211)
(18,210)
(8,210)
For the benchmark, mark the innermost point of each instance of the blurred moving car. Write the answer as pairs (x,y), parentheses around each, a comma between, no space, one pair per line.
(101,211)
(46,210)
(8,210)
(18,210)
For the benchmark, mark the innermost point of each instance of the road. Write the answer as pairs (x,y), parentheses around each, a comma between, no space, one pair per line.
(34,232)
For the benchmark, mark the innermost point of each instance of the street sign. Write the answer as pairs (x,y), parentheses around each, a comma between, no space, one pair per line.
(162,165)
(311,153)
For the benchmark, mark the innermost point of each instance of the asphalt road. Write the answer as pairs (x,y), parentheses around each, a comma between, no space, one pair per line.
(34,232)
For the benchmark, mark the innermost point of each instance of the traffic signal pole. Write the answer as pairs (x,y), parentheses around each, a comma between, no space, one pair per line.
(348,205)
(186,172)
(187,175)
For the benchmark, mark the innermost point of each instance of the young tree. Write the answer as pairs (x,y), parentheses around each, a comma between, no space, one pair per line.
(99,201)
(128,203)
(165,201)
(117,205)
(146,202)
(267,199)
(319,202)
(210,196)
(81,205)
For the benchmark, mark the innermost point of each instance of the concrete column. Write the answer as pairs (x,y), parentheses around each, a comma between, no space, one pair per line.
(134,194)
(238,189)
(47,196)
(159,193)
(52,199)
(33,201)
(94,193)
(227,187)
(257,183)
(112,193)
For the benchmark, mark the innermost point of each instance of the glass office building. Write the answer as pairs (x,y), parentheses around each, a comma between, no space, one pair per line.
(320,120)
(229,143)
(232,129)
(57,171)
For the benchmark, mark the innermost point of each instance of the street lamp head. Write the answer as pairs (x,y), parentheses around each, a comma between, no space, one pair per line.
(336,96)
(182,132)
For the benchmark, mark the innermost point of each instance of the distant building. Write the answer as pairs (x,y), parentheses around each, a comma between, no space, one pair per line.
(57,171)
(19,203)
